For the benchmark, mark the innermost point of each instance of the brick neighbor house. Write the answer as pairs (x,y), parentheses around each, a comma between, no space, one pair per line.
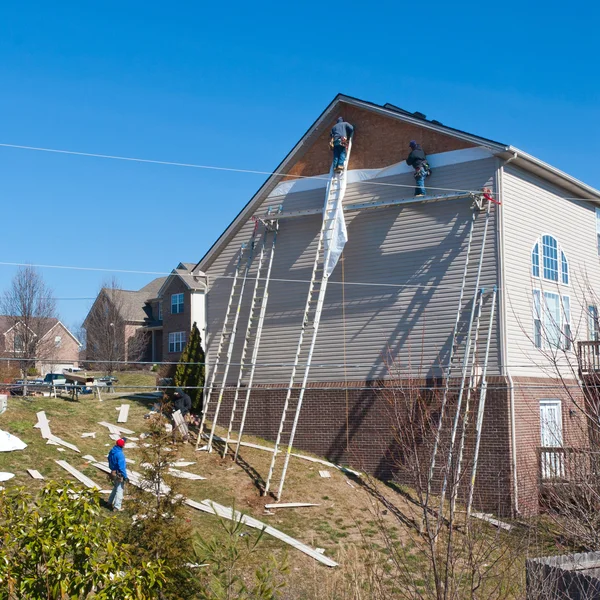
(153,323)
(55,346)
(394,296)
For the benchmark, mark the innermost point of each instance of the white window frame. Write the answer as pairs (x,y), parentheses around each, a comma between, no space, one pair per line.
(545,322)
(177,302)
(177,341)
(57,341)
(593,325)
(598,229)
(160,313)
(537,250)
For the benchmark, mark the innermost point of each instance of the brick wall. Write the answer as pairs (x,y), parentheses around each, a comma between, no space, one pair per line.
(528,393)
(379,142)
(357,428)
(177,322)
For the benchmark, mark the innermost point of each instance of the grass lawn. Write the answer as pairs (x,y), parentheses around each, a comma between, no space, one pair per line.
(348,521)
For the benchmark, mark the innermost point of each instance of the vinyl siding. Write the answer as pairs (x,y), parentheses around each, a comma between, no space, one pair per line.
(532,208)
(402,274)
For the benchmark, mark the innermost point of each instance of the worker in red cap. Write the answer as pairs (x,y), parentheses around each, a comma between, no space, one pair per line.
(118,474)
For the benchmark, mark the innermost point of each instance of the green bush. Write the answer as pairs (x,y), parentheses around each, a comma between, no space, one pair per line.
(57,545)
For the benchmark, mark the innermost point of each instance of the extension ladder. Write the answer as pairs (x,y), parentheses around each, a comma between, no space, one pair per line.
(471,341)
(256,318)
(220,371)
(336,189)
(454,347)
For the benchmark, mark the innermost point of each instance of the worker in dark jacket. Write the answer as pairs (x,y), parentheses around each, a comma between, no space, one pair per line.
(118,474)
(418,161)
(182,402)
(341,134)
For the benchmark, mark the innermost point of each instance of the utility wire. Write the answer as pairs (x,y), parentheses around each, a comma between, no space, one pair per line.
(214,277)
(214,168)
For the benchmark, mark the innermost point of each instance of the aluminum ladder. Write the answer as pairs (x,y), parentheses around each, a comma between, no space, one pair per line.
(336,189)
(218,379)
(471,340)
(254,327)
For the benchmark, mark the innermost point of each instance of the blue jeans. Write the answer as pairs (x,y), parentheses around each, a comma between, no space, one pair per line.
(116,496)
(339,155)
(420,175)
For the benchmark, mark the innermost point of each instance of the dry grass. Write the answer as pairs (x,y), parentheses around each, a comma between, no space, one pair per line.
(351,523)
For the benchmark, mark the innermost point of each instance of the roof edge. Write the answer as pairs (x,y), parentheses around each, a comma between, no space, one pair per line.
(551,174)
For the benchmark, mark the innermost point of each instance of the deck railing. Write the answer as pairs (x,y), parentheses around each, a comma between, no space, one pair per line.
(588,355)
(567,465)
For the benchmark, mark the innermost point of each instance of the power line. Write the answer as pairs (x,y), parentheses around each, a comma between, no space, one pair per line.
(215,277)
(215,168)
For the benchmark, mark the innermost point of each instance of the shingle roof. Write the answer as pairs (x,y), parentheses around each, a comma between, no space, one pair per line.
(151,289)
(42,324)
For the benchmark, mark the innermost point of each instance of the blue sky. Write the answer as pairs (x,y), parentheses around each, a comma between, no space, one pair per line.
(236,85)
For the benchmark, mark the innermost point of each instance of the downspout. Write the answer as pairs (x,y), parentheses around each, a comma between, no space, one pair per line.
(504,341)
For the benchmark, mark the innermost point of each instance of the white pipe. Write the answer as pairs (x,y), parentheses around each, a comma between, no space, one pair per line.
(513,441)
(504,341)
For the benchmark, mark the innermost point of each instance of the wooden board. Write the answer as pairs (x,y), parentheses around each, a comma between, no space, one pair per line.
(184,474)
(180,423)
(56,440)
(115,428)
(77,474)
(91,434)
(35,474)
(325,474)
(123,413)
(43,425)
(290,505)
(228,513)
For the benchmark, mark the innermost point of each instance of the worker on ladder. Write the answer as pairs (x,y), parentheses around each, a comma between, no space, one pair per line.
(341,134)
(418,161)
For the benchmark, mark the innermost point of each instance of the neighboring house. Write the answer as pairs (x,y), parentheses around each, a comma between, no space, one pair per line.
(55,346)
(153,323)
(179,303)
(394,298)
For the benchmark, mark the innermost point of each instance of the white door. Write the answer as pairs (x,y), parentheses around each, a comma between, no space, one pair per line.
(552,462)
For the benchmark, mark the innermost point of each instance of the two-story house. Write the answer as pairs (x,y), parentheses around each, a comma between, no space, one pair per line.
(53,345)
(392,301)
(149,325)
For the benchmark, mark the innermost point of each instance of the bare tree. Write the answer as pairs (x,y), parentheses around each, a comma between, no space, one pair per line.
(30,307)
(111,338)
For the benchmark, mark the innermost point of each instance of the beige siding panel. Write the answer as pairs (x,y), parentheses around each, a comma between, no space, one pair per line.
(532,208)
(397,297)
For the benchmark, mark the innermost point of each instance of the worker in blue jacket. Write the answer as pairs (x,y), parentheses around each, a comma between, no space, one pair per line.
(118,474)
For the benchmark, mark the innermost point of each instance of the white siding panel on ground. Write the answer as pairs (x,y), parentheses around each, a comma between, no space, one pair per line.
(394,305)
(531,209)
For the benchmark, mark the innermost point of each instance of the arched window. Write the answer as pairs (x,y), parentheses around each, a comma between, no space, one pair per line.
(550,267)
(551,306)
(550,257)
(535,260)
(564,268)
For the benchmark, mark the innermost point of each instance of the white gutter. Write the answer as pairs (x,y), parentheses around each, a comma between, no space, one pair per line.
(535,164)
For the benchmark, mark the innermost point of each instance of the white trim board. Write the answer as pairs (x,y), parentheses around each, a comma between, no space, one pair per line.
(224,512)
(77,474)
(123,413)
